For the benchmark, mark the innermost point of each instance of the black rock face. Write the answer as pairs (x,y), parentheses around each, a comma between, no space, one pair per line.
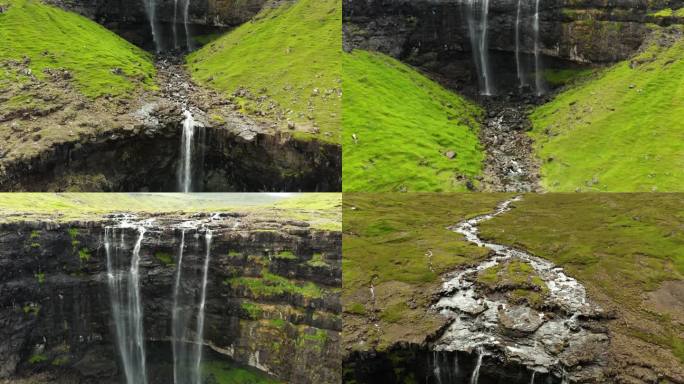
(411,363)
(55,305)
(434,34)
(585,31)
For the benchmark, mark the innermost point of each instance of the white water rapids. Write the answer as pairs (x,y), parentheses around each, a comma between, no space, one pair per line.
(539,340)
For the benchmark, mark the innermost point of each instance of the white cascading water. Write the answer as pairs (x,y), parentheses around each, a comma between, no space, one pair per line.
(187,141)
(478,15)
(151,10)
(518,59)
(199,335)
(538,82)
(178,320)
(476,372)
(532,379)
(174,24)
(186,19)
(124,290)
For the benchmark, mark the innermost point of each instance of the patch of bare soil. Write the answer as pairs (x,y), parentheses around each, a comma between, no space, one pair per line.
(668,299)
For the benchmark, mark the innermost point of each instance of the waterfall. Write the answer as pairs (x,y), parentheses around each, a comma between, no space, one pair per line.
(188,38)
(532,379)
(185,169)
(518,62)
(436,371)
(537,64)
(174,24)
(124,290)
(478,26)
(200,316)
(151,10)
(476,373)
(178,322)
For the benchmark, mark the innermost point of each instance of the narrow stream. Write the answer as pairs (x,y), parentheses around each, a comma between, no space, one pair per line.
(544,340)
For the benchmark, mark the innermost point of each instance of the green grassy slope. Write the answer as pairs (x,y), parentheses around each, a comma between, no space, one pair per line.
(621,131)
(52,38)
(286,54)
(386,242)
(618,245)
(404,123)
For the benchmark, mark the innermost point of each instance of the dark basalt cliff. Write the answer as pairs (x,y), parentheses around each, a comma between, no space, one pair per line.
(214,13)
(586,31)
(272,298)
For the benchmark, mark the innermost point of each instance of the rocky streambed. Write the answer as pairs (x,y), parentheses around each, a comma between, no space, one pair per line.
(525,311)
(510,163)
(512,318)
(270,290)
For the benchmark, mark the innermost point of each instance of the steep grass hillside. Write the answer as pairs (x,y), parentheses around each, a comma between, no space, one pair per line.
(620,130)
(289,55)
(399,127)
(321,210)
(46,37)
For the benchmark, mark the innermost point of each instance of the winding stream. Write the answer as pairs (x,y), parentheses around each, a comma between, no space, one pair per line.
(547,340)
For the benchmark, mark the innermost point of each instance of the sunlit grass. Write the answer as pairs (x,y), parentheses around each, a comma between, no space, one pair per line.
(404,124)
(285,53)
(620,131)
(100,61)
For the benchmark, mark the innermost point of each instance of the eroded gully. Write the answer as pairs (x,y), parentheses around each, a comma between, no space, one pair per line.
(561,339)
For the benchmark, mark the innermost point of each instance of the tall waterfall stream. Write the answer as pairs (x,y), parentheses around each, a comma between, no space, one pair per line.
(123,278)
(526,20)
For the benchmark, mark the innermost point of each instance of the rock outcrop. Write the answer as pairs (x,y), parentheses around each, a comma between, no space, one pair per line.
(272,298)
(213,13)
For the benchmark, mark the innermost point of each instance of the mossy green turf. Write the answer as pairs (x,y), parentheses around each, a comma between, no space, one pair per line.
(405,123)
(621,131)
(288,51)
(668,12)
(53,38)
(618,245)
(226,373)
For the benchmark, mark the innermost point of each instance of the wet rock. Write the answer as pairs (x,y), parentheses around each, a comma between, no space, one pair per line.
(520,320)
(97,363)
(450,154)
